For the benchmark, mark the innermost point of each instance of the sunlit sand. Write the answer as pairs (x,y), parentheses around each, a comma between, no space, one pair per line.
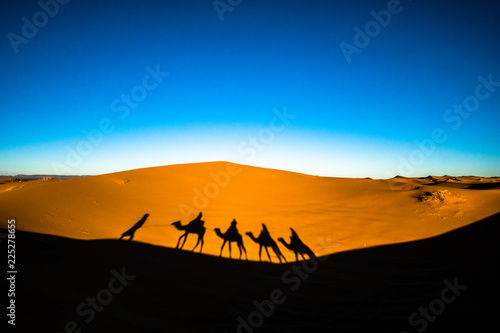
(329,214)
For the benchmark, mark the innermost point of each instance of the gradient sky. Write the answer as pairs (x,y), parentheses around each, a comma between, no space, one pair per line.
(228,79)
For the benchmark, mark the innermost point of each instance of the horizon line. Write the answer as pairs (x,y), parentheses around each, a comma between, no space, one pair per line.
(245,165)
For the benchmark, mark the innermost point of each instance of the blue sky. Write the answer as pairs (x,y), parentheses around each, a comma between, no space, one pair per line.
(219,85)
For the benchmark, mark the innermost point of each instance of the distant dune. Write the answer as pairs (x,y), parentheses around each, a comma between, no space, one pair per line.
(35,177)
(329,214)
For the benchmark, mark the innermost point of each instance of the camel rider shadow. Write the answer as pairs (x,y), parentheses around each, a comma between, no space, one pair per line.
(231,235)
(297,246)
(196,226)
(265,240)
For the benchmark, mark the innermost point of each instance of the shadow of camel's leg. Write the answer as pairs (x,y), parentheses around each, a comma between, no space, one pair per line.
(222,248)
(296,257)
(267,251)
(120,237)
(284,259)
(260,252)
(279,258)
(230,250)
(185,239)
(282,255)
(131,236)
(201,247)
(278,253)
(178,241)
(198,242)
(245,250)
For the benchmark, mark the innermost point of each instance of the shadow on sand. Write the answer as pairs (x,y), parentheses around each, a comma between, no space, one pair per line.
(375,289)
(265,240)
(196,226)
(131,232)
(297,246)
(231,235)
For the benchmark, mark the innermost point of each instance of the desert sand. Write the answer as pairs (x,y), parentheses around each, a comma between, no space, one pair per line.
(329,214)
(386,250)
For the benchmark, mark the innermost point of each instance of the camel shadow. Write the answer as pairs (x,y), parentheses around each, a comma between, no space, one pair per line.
(231,235)
(131,232)
(196,226)
(265,240)
(297,246)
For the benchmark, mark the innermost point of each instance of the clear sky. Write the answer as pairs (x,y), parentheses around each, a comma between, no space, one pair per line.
(333,88)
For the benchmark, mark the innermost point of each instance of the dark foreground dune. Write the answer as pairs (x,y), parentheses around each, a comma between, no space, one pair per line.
(165,290)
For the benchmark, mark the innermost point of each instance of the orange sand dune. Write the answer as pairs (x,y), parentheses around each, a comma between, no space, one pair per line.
(329,214)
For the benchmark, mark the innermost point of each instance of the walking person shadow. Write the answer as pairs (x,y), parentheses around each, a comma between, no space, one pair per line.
(130,232)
